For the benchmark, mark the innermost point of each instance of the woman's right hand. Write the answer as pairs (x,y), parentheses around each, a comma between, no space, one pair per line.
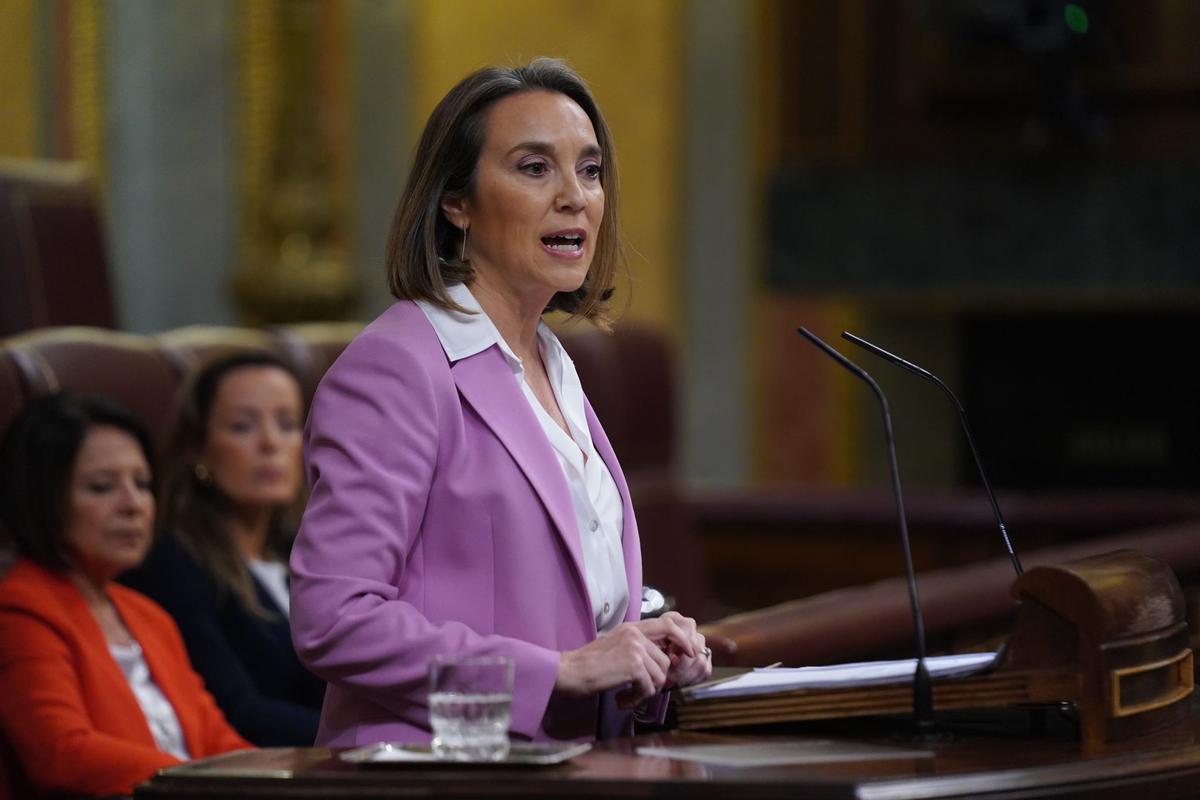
(624,657)
(630,657)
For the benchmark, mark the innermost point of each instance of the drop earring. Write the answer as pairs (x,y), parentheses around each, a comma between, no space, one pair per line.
(202,474)
(462,256)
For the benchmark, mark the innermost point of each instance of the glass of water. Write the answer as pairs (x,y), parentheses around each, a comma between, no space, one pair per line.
(470,706)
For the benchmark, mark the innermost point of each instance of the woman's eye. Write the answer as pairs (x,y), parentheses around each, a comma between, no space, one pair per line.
(240,427)
(100,487)
(144,484)
(592,171)
(534,168)
(289,425)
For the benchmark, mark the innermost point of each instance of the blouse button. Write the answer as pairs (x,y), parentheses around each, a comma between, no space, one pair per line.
(607,608)
(595,524)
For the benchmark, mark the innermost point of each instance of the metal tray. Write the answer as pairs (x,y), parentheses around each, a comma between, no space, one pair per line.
(519,755)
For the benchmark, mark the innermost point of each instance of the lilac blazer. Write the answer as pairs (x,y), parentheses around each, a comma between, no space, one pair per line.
(439,521)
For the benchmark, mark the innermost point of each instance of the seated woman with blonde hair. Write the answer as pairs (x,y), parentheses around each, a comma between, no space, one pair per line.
(232,476)
(96,690)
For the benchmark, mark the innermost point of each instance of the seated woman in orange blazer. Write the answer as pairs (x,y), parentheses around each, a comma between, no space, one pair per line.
(96,691)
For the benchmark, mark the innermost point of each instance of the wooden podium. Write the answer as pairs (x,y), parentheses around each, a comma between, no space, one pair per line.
(1107,634)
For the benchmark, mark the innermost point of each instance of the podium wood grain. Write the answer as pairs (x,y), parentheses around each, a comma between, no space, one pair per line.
(1107,634)
(1007,758)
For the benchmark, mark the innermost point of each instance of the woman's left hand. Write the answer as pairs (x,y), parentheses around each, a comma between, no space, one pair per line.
(691,659)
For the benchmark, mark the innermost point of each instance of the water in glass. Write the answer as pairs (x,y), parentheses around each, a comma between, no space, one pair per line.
(470,727)
(470,707)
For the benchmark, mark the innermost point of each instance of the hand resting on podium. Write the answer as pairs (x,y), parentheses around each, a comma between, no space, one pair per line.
(649,655)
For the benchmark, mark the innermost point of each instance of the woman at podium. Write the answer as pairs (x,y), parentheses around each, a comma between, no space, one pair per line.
(464,497)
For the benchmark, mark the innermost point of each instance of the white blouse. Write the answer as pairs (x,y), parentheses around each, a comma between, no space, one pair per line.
(160,714)
(273,576)
(599,513)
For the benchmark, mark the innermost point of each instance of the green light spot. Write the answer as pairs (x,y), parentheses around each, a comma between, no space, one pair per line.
(1076,18)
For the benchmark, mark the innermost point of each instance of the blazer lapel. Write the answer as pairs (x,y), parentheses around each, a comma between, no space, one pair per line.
(165,671)
(630,543)
(487,383)
(94,636)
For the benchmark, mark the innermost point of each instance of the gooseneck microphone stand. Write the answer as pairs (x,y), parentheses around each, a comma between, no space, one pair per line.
(922,685)
(962,418)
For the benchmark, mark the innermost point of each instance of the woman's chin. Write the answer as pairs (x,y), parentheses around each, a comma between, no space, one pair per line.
(571,280)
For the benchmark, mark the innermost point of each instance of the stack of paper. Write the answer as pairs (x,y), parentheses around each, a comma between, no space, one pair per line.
(837,676)
(872,688)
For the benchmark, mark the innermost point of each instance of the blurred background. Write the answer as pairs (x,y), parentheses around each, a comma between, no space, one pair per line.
(1003,191)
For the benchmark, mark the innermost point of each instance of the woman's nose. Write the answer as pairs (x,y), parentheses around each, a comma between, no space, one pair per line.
(571,196)
(133,498)
(269,438)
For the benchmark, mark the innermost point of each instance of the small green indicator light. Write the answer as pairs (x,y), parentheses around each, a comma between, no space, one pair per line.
(1076,18)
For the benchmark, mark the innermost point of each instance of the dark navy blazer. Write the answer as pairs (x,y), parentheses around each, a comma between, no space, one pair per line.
(247,662)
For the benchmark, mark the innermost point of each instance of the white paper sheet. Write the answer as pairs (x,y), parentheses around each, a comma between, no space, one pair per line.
(836,676)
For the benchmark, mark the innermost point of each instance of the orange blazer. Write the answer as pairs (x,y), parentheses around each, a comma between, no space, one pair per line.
(66,709)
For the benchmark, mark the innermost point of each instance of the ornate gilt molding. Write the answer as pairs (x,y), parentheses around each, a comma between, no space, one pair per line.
(19,79)
(85,28)
(258,78)
(293,264)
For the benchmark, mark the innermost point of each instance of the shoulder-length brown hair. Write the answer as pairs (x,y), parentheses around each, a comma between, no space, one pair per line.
(423,247)
(193,508)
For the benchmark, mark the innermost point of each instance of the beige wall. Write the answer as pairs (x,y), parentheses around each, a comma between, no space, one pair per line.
(630,53)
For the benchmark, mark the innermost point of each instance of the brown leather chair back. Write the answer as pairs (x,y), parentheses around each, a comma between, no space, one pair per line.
(13,394)
(311,347)
(628,376)
(629,379)
(53,266)
(190,348)
(125,368)
(12,400)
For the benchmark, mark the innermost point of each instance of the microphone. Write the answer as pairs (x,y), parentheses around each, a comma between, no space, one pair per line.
(962,418)
(922,686)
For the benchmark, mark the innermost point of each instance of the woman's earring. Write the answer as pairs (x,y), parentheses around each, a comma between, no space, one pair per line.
(462,256)
(202,474)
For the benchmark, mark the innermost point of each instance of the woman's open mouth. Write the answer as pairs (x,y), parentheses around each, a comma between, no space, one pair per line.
(567,244)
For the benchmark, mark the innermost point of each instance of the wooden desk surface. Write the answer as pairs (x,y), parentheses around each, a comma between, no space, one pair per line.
(999,757)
